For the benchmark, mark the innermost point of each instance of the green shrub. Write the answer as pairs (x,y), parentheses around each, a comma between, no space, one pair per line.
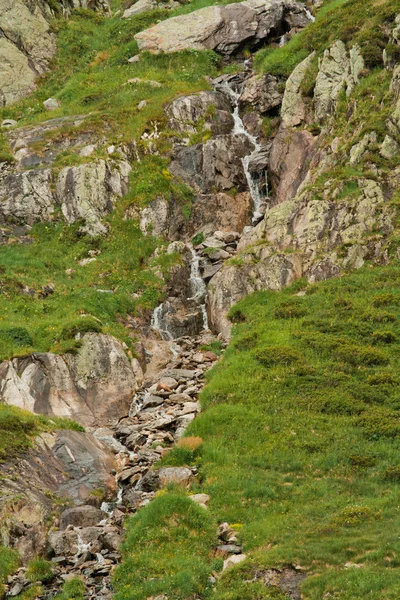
(272,356)
(81,325)
(352,516)
(380,422)
(383,337)
(18,335)
(385,300)
(236,315)
(40,569)
(290,310)
(198,239)
(360,356)
(362,461)
(392,474)
(381,379)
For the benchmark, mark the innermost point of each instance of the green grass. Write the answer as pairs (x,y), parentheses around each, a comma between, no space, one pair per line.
(167,550)
(74,589)
(352,21)
(9,560)
(301,436)
(89,77)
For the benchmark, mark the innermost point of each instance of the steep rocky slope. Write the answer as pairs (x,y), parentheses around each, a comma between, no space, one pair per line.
(194,155)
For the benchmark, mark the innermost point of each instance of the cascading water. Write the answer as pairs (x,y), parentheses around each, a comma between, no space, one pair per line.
(259,200)
(198,288)
(197,291)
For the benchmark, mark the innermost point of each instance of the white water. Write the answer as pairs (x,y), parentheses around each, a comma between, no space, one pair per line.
(156,322)
(259,203)
(198,292)
(309,15)
(81,546)
(196,284)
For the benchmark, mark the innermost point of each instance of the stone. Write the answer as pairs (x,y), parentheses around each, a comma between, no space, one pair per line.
(293,111)
(111,541)
(9,123)
(338,69)
(229,549)
(358,150)
(224,29)
(51,104)
(93,387)
(89,192)
(261,93)
(81,516)
(390,148)
(146,5)
(233,560)
(201,499)
(213,108)
(180,476)
(151,400)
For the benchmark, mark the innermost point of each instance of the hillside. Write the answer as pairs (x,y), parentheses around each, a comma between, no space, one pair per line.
(199,264)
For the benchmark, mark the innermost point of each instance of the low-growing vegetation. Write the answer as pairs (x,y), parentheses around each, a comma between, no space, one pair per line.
(299,449)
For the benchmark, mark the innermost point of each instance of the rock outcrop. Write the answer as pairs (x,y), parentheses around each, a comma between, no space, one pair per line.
(95,386)
(69,464)
(86,192)
(338,69)
(89,191)
(225,29)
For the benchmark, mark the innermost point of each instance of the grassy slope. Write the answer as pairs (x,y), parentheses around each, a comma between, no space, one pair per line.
(90,77)
(301,443)
(301,423)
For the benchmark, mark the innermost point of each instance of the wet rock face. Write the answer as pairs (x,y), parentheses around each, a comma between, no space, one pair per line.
(290,155)
(70,464)
(95,386)
(225,29)
(216,164)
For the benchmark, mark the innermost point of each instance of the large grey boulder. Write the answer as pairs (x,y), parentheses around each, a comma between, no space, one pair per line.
(224,29)
(89,191)
(26,47)
(93,387)
(293,111)
(338,69)
(260,93)
(26,197)
(211,107)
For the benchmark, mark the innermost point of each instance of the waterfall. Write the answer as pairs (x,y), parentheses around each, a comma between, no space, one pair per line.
(253,183)
(309,15)
(197,291)
(156,323)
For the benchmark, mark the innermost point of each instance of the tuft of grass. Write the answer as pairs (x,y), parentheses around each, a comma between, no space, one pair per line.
(167,550)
